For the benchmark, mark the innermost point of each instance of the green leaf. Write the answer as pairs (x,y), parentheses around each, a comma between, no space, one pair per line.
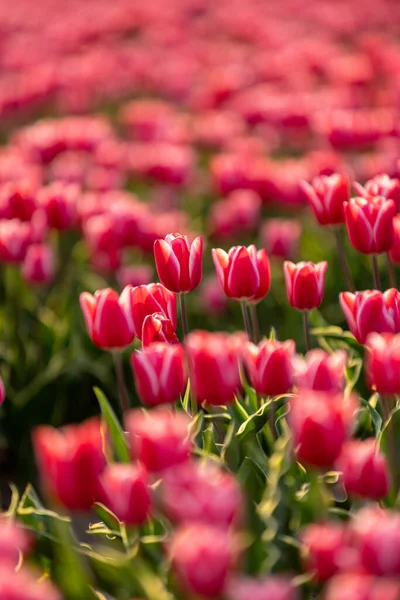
(336,334)
(117,435)
(374,414)
(107,516)
(12,509)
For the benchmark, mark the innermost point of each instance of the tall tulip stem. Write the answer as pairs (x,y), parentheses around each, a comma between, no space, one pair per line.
(306,329)
(343,261)
(182,304)
(122,391)
(375,272)
(246,320)
(391,271)
(254,323)
(387,405)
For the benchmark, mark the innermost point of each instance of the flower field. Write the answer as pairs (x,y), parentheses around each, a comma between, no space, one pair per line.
(199,304)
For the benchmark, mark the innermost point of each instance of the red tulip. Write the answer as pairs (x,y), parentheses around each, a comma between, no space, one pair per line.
(325,547)
(179,263)
(146,300)
(158,328)
(212,297)
(305,283)
(371,311)
(15,238)
(234,215)
(13,541)
(18,200)
(124,489)
(369,223)
(159,439)
(38,265)
(320,423)
(280,237)
(214,366)
(383,363)
(273,587)
(321,371)
(326,196)
(381,185)
(395,249)
(269,366)
(195,546)
(2,391)
(361,586)
(59,202)
(70,461)
(135,275)
(201,492)
(25,584)
(365,469)
(108,318)
(244,273)
(160,373)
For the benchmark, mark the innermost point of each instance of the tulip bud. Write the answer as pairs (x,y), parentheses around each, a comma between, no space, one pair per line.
(321,371)
(273,587)
(212,297)
(320,423)
(196,545)
(108,318)
(179,263)
(305,284)
(18,200)
(160,373)
(201,492)
(235,215)
(59,202)
(38,265)
(159,439)
(24,584)
(13,540)
(383,363)
(381,185)
(376,535)
(324,548)
(394,251)
(124,489)
(371,311)
(326,196)
(280,237)
(158,328)
(369,223)
(146,300)
(361,586)
(244,273)
(15,238)
(70,461)
(269,366)
(365,469)
(214,366)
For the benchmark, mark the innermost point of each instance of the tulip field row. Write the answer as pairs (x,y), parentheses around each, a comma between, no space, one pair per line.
(199,300)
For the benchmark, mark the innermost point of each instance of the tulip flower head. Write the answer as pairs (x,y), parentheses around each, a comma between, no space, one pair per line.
(371,311)
(383,363)
(158,328)
(321,371)
(381,185)
(269,366)
(324,548)
(326,196)
(364,469)
(144,300)
(179,263)
(305,284)
(369,223)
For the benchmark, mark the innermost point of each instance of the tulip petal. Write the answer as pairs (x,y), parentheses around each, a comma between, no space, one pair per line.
(167,265)
(196,262)
(243,277)
(88,306)
(221,262)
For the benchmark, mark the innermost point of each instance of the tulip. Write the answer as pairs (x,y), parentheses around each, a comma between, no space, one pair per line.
(361,586)
(394,252)
(160,373)
(59,202)
(201,492)
(236,214)
(383,363)
(38,264)
(24,584)
(320,423)
(158,328)
(70,461)
(326,196)
(321,371)
(305,284)
(146,300)
(202,558)
(214,366)
(273,587)
(124,489)
(369,223)
(280,237)
(212,297)
(381,185)
(108,318)
(376,536)
(135,275)
(18,200)
(324,548)
(244,273)
(269,366)
(159,439)
(371,311)
(365,470)
(13,541)
(179,263)
(15,238)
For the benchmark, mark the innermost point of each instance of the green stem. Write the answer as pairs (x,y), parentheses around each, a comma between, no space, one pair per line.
(391,271)
(246,320)
(387,406)
(375,272)
(254,323)
(342,258)
(182,304)
(122,391)
(306,330)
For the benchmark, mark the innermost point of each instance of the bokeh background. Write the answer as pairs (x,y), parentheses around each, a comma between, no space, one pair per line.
(123,121)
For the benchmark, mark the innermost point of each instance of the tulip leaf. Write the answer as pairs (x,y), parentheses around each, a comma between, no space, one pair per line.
(107,516)
(337,334)
(374,414)
(117,435)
